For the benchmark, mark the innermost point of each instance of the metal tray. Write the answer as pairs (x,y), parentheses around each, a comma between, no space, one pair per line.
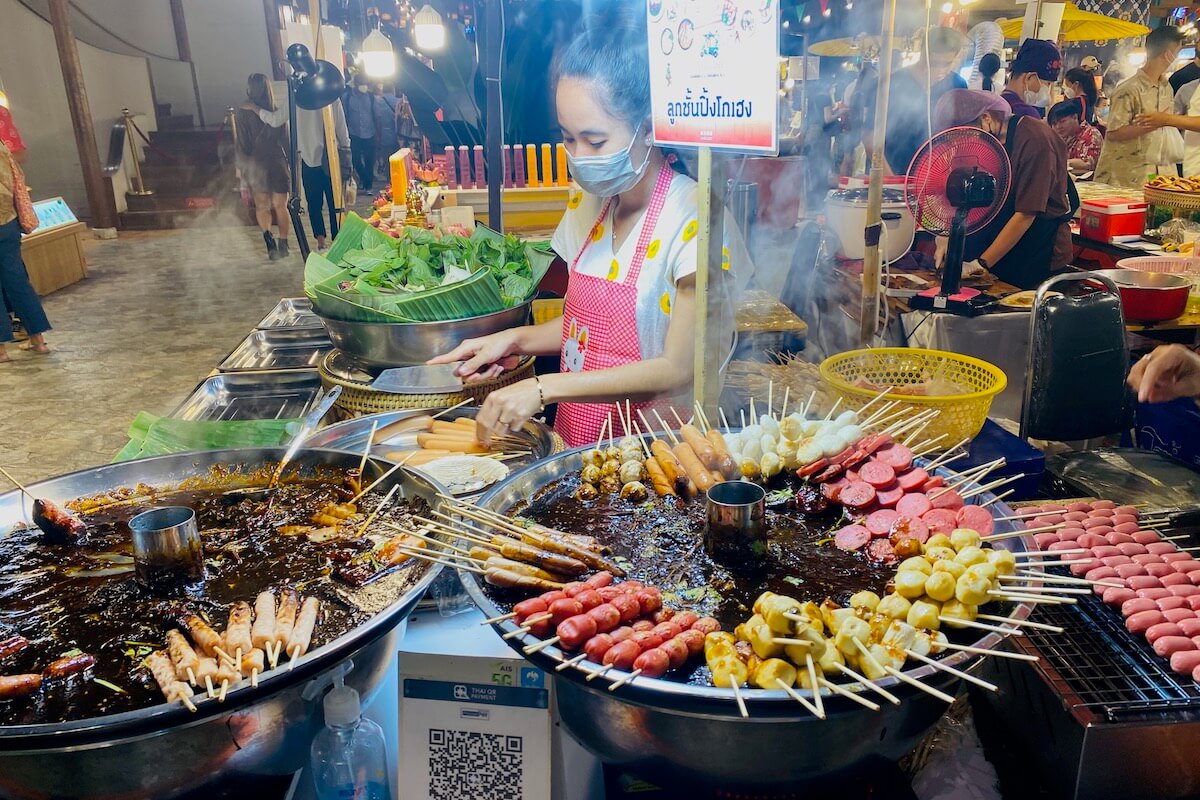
(291,312)
(278,348)
(277,394)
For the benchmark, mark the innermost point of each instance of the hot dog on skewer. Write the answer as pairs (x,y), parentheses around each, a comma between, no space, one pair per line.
(182,656)
(263,631)
(301,636)
(695,469)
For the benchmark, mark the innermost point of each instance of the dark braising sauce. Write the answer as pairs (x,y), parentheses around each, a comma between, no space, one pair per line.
(61,600)
(661,545)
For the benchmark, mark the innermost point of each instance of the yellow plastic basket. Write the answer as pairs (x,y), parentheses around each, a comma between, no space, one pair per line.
(961,415)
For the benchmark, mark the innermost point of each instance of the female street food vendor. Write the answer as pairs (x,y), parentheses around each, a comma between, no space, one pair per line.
(627,329)
(1030,238)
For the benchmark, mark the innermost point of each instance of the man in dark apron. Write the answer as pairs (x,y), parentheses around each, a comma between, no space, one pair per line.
(1030,238)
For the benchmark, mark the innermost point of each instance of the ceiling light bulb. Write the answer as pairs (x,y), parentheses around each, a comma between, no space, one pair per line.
(378,58)
(428,29)
(947,8)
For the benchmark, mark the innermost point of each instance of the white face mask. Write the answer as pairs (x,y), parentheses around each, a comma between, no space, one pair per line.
(1040,97)
(363,89)
(1069,93)
(611,174)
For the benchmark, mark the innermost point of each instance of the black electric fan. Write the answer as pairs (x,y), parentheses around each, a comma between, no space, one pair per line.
(956,184)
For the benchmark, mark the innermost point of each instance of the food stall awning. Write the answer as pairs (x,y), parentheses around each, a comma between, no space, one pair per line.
(1081,26)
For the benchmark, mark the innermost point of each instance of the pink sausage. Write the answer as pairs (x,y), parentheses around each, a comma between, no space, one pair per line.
(1096,522)
(1129,570)
(1132,549)
(1092,540)
(1168,646)
(1171,557)
(1045,540)
(1146,537)
(1190,627)
(1113,561)
(1126,527)
(1178,615)
(1080,506)
(1148,558)
(1052,519)
(1119,539)
(1115,597)
(1168,603)
(1101,512)
(1156,632)
(1069,534)
(1184,567)
(1195,576)
(1102,530)
(1100,573)
(1137,606)
(1038,522)
(1080,567)
(1075,516)
(1185,661)
(1161,548)
(1105,551)
(1054,508)
(1159,570)
(1138,582)
(1121,519)
(1154,593)
(1193,602)
(1103,505)
(1141,621)
(1184,591)
(1061,545)
(1175,579)
(1126,510)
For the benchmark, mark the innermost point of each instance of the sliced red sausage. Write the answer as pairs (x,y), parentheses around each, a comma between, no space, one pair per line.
(896,456)
(1141,621)
(915,528)
(1168,646)
(879,523)
(832,491)
(858,495)
(947,499)
(912,479)
(1156,632)
(940,520)
(977,518)
(852,537)
(934,482)
(1115,597)
(913,505)
(888,496)
(809,470)
(1137,605)
(877,473)
(1185,661)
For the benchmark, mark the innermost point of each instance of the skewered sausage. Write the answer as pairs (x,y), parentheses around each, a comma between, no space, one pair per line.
(701,447)
(597,646)
(68,666)
(263,631)
(285,615)
(19,685)
(512,580)
(693,467)
(547,560)
(706,625)
(653,663)
(728,467)
(164,672)
(671,467)
(495,562)
(237,632)
(202,634)
(12,645)
(663,487)
(59,525)
(253,662)
(622,654)
(182,655)
(301,635)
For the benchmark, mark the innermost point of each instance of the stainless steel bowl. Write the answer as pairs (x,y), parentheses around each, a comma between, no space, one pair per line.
(165,750)
(693,736)
(399,344)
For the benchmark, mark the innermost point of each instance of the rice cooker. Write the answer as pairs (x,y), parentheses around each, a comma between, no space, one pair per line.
(846,214)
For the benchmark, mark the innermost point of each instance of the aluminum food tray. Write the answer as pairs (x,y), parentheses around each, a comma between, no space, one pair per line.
(278,348)
(291,312)
(276,394)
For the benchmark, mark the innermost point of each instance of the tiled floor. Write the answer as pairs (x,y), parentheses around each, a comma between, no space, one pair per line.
(157,313)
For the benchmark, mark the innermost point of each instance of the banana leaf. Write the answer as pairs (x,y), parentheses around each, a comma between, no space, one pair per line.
(354,234)
(151,435)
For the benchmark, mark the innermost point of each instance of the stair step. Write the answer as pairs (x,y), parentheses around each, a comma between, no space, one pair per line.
(176,122)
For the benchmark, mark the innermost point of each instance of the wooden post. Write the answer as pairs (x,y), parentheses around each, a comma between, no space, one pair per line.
(275,39)
(184,47)
(869,310)
(99,194)
(331,144)
(709,353)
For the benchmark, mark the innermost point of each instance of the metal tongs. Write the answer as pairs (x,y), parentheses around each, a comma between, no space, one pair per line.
(307,426)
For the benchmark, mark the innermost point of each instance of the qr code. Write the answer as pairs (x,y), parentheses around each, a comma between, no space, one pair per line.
(480,766)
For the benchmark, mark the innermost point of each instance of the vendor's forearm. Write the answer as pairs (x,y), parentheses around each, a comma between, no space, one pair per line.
(1008,237)
(1181,121)
(540,340)
(639,380)
(1127,133)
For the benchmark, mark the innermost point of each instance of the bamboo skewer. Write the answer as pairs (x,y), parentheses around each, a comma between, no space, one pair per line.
(1041,626)
(870,402)
(947,456)
(380,479)
(996,484)
(570,662)
(1022,597)
(362,464)
(838,690)
(802,700)
(1049,590)
(387,498)
(596,673)
(501,618)
(996,498)
(1053,555)
(1029,577)
(966,676)
(980,651)
(737,696)
(868,683)
(832,410)
(967,623)
(15,482)
(427,557)
(445,411)
(618,684)
(938,693)
(815,687)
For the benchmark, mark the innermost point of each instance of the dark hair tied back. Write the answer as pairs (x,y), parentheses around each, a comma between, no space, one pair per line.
(611,53)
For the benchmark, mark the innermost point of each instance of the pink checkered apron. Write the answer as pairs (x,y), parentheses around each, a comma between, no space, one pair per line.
(607,311)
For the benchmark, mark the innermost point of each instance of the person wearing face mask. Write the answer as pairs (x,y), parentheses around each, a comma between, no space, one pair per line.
(1081,83)
(1082,140)
(630,240)
(361,121)
(1030,238)
(914,91)
(1125,158)
(1030,76)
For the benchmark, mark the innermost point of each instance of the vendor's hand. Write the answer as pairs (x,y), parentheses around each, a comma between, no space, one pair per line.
(1170,372)
(972,268)
(506,410)
(1152,119)
(483,358)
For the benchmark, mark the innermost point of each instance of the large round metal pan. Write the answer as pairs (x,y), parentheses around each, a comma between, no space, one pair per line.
(164,750)
(684,735)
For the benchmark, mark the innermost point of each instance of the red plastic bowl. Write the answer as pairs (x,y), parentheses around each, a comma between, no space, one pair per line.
(1150,296)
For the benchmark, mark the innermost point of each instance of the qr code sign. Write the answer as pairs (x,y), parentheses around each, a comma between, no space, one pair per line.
(480,766)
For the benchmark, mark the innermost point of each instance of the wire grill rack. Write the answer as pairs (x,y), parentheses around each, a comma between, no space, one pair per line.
(1105,669)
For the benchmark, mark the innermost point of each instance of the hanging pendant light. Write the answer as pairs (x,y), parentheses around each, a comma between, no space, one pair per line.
(428,29)
(378,58)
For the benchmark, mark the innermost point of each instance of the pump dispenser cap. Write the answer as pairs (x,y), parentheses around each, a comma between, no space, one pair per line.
(342,706)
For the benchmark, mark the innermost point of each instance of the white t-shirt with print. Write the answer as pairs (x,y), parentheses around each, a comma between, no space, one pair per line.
(670,257)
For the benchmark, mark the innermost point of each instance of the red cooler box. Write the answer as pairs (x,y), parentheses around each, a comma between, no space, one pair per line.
(1106,217)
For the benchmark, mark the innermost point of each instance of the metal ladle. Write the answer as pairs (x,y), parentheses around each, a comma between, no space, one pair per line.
(307,426)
